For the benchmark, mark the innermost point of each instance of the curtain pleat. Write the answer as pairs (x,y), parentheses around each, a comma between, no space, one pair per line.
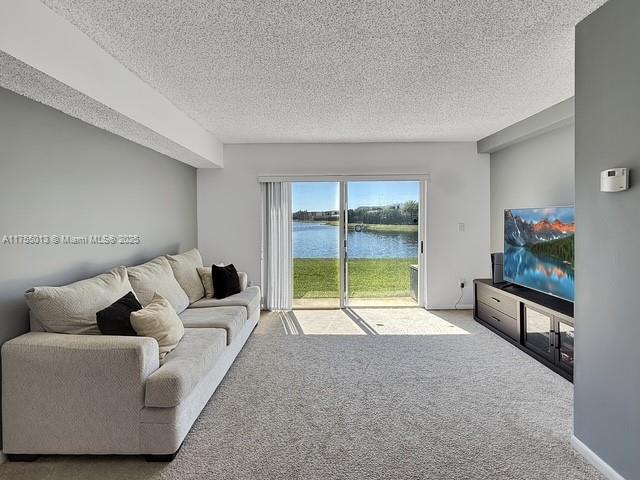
(276,250)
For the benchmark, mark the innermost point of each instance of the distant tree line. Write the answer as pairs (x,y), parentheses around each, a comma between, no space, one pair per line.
(324,216)
(562,248)
(401,214)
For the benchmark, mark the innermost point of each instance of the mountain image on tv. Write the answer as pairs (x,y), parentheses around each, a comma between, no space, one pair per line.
(539,249)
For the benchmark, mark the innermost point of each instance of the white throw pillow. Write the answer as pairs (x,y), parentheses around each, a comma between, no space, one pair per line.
(244,280)
(72,308)
(157,276)
(160,321)
(207,280)
(184,268)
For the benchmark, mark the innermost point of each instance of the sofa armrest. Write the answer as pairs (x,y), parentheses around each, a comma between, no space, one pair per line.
(74,394)
(244,280)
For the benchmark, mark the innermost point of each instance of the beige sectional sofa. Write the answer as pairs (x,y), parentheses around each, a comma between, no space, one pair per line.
(98,394)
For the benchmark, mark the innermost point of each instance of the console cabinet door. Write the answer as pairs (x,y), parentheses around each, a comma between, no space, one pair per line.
(565,334)
(539,334)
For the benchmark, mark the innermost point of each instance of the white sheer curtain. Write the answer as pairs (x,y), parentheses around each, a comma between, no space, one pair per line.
(276,245)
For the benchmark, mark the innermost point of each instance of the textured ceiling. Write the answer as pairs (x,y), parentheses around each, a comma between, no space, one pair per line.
(319,71)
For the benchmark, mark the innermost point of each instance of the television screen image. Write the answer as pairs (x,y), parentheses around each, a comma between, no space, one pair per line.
(539,249)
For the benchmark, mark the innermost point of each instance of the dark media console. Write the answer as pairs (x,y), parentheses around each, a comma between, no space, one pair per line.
(539,324)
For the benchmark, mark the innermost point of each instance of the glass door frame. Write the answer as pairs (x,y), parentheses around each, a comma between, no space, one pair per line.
(344,277)
(343,181)
(344,225)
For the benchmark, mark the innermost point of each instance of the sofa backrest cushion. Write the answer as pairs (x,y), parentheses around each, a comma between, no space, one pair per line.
(185,269)
(156,276)
(72,308)
(35,325)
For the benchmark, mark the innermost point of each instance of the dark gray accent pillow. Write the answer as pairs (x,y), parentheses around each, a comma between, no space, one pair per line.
(114,320)
(225,281)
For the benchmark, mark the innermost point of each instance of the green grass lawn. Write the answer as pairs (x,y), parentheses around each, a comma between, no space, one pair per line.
(378,227)
(319,277)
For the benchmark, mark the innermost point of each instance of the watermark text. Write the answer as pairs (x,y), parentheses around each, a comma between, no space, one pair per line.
(66,239)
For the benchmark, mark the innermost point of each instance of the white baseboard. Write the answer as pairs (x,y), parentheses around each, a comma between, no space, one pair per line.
(449,307)
(602,466)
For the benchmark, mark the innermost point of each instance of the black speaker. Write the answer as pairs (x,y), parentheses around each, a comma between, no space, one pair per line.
(497,266)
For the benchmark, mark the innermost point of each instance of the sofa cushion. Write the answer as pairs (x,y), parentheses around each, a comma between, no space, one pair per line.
(160,321)
(184,268)
(157,276)
(249,298)
(182,369)
(72,308)
(232,319)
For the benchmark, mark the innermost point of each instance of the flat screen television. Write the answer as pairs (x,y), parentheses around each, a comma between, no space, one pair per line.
(539,249)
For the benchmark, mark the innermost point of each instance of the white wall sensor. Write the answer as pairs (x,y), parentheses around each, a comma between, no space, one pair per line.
(614,180)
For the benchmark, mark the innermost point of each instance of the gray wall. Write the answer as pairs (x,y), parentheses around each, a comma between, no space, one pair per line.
(59,175)
(537,172)
(457,191)
(607,382)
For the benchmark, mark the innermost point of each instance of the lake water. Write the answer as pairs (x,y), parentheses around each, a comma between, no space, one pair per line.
(546,274)
(317,240)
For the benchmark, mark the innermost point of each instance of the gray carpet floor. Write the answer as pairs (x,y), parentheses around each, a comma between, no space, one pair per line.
(445,400)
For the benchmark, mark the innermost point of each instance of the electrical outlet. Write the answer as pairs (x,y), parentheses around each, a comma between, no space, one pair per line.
(461,282)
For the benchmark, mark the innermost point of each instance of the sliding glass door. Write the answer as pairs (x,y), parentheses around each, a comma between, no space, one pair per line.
(315,238)
(382,244)
(357,243)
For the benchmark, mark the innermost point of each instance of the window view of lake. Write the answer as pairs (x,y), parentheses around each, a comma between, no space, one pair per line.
(321,240)
(382,243)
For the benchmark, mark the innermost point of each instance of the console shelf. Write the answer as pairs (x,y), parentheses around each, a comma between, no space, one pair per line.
(539,324)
